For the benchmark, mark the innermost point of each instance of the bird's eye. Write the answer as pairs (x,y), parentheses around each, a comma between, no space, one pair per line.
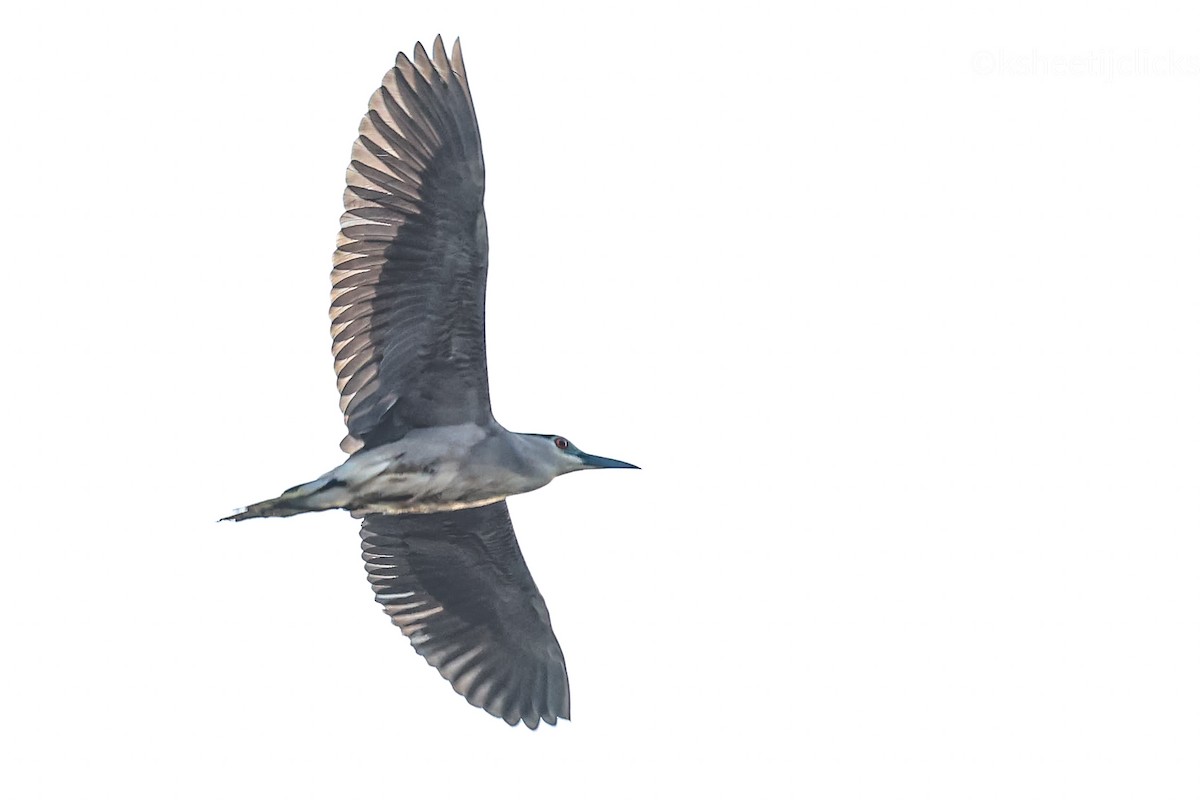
(560,443)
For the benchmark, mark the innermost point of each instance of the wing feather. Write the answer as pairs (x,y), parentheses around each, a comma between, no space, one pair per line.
(410,270)
(456,584)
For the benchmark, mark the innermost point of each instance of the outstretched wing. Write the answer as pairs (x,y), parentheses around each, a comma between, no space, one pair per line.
(411,263)
(456,585)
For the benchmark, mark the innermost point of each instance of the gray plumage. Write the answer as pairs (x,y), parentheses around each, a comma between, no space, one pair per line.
(429,467)
(411,264)
(457,586)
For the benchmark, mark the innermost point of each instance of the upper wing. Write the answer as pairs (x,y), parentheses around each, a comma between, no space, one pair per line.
(456,584)
(411,263)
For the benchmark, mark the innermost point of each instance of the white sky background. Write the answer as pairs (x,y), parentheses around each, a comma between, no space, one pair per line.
(898,306)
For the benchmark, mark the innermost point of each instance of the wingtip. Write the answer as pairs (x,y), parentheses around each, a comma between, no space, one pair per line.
(457,65)
(420,57)
(440,60)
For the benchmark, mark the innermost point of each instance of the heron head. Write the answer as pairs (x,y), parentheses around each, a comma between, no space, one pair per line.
(569,458)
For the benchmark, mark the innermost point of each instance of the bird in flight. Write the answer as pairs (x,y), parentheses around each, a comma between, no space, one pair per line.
(429,468)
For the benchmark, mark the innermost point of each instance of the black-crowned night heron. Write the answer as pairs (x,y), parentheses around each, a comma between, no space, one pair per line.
(429,467)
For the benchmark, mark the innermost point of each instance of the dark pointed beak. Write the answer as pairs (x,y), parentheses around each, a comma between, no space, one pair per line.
(600,462)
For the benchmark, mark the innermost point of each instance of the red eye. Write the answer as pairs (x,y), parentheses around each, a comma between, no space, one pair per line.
(560,443)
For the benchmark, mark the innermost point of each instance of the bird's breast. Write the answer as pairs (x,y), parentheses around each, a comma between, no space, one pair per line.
(433,469)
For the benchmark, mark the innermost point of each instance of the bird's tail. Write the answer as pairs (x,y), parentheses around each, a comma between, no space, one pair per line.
(267,508)
(297,500)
